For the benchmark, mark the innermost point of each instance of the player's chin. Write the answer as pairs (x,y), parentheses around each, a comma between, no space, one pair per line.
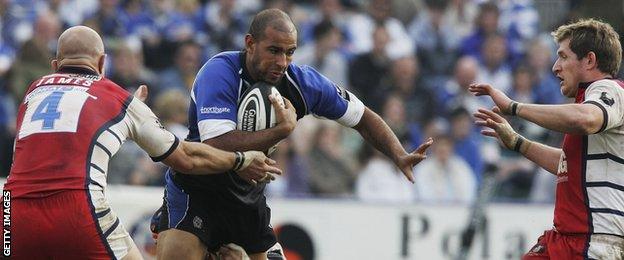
(273,79)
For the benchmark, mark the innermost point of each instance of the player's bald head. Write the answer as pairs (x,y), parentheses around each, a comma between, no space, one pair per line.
(79,43)
(271,18)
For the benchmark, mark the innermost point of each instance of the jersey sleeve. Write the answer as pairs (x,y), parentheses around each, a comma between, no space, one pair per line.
(147,131)
(215,95)
(326,99)
(608,96)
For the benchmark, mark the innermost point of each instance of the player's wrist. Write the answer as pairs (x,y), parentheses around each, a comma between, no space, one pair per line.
(284,129)
(239,161)
(521,144)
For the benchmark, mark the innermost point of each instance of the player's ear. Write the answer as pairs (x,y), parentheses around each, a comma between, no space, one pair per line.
(591,61)
(102,64)
(54,64)
(249,43)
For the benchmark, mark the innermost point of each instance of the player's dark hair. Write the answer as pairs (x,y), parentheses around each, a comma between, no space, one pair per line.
(595,36)
(274,18)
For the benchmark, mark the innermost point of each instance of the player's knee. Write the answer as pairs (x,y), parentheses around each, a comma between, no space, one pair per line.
(178,244)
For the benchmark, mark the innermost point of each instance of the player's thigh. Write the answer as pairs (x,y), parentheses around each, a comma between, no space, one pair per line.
(178,244)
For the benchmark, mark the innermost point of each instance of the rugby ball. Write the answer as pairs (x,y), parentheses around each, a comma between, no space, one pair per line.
(255,111)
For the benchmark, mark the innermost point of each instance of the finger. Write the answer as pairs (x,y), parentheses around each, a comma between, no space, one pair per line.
(252,182)
(497,110)
(270,161)
(408,174)
(481,116)
(481,123)
(424,146)
(494,116)
(287,103)
(489,133)
(275,103)
(273,169)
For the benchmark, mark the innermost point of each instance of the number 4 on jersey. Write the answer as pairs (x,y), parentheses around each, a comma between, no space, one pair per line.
(53,111)
(48,110)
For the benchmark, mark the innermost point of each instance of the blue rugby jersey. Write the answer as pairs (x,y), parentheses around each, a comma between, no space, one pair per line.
(214,107)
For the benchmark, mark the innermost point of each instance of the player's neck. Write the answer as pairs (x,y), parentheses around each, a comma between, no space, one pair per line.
(592,76)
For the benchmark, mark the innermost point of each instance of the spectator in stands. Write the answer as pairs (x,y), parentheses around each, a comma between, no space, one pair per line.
(107,21)
(406,82)
(380,180)
(395,115)
(128,70)
(185,23)
(330,175)
(460,14)
(325,10)
(171,107)
(455,93)
(486,24)
(494,66)
(361,27)
(294,180)
(187,64)
(34,56)
(436,42)
(137,20)
(323,55)
(467,140)
(519,21)
(225,27)
(444,176)
(367,70)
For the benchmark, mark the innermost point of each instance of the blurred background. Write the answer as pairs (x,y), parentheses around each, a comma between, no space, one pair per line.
(409,60)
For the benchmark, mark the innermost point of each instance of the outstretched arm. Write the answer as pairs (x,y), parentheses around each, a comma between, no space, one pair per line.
(376,132)
(202,159)
(545,156)
(567,118)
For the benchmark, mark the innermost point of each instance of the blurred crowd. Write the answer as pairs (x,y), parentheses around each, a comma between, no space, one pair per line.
(409,60)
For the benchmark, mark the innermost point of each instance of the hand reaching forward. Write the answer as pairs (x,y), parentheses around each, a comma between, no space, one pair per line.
(257,167)
(499,127)
(500,99)
(407,161)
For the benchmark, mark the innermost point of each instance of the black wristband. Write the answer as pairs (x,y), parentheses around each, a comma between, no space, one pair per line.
(238,162)
(514,108)
(518,143)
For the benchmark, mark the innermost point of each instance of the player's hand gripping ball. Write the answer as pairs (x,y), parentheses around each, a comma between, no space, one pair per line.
(255,111)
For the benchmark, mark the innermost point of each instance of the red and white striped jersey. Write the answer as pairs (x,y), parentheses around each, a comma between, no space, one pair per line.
(590,178)
(69,126)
